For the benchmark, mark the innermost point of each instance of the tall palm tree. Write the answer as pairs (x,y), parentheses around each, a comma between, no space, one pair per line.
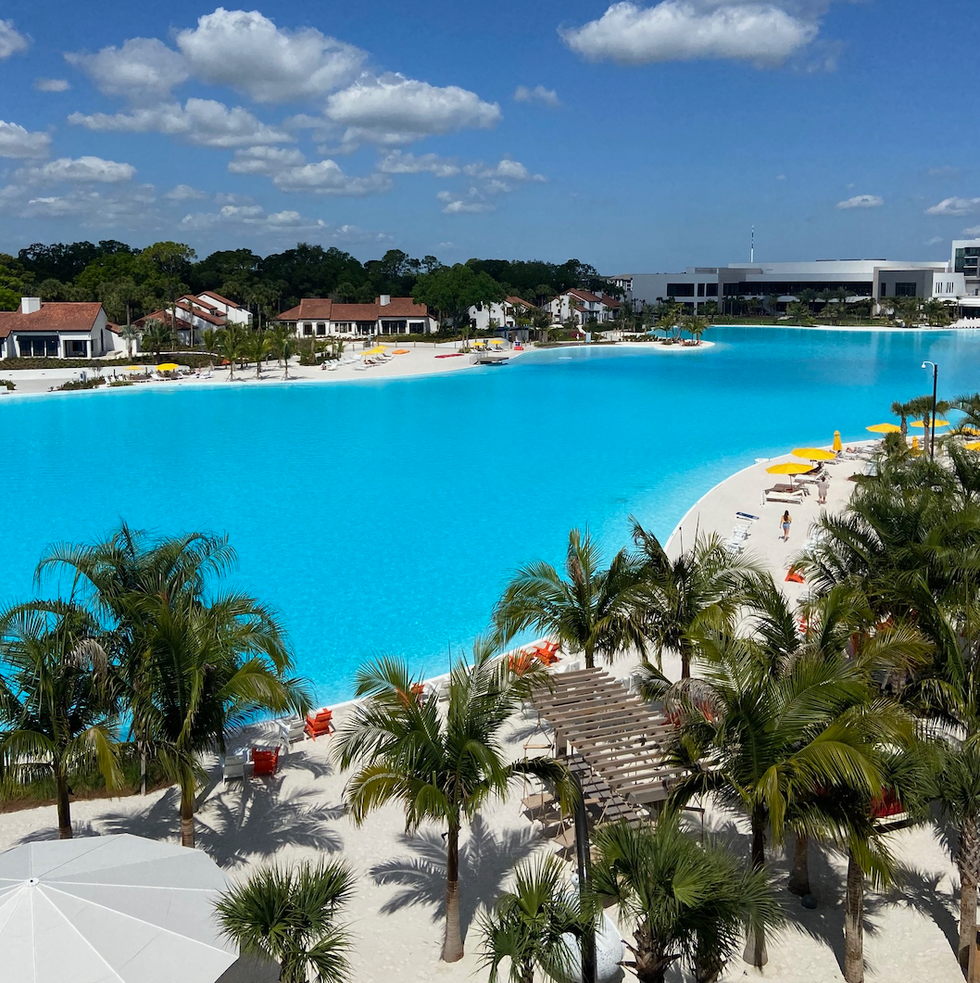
(527,925)
(57,697)
(684,901)
(231,345)
(903,411)
(291,917)
(702,586)
(594,611)
(441,767)
(257,346)
(156,336)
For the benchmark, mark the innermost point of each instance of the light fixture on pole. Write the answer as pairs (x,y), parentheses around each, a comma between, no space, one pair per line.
(932,434)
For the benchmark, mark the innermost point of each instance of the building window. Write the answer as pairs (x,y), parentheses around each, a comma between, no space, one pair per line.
(882,289)
(76,349)
(38,347)
(904,289)
(701,289)
(321,328)
(680,289)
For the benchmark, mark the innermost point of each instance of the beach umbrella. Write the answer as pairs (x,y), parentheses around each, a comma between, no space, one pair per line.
(885,428)
(496,341)
(837,445)
(790,467)
(168,367)
(920,423)
(814,454)
(974,446)
(915,445)
(110,908)
(972,431)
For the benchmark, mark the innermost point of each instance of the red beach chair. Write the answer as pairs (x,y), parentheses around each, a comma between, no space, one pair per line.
(320,723)
(265,760)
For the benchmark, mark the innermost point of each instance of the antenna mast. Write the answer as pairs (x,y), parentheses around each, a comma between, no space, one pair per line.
(752,246)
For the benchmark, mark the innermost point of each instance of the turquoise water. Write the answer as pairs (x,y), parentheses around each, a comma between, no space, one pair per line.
(386,516)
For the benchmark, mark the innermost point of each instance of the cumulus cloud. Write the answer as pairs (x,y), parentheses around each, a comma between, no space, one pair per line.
(249,216)
(399,162)
(974,230)
(11,40)
(22,144)
(184,192)
(203,122)
(245,51)
(265,160)
(472,203)
(933,241)
(127,206)
(539,93)
(763,33)
(862,201)
(51,85)
(507,170)
(325,177)
(394,109)
(77,170)
(955,206)
(142,70)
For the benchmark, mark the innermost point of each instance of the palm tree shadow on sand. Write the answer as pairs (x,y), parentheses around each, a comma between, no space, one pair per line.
(485,862)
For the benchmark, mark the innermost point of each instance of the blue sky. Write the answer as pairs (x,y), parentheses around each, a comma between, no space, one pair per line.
(639,136)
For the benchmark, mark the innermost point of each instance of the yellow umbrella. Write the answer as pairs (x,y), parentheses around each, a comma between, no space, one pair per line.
(496,341)
(168,367)
(814,454)
(790,467)
(885,428)
(134,368)
(836,445)
(915,445)
(975,446)
(972,431)
(939,423)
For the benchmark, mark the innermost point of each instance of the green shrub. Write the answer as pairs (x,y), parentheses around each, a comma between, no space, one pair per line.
(9,385)
(74,384)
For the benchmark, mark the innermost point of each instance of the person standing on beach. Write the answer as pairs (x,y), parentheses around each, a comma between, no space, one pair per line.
(822,486)
(786,522)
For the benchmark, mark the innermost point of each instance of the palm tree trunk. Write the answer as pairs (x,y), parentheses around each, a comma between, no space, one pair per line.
(589,655)
(799,876)
(452,948)
(967,862)
(64,804)
(685,661)
(854,922)
(651,964)
(187,791)
(755,953)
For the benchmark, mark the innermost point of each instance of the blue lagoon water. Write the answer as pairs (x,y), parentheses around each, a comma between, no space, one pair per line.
(386,516)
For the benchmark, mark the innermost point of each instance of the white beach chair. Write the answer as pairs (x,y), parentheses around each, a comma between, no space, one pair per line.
(291,730)
(233,766)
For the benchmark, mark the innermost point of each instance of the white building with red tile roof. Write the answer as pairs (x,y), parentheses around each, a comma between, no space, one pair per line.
(197,313)
(583,306)
(56,330)
(320,318)
(501,315)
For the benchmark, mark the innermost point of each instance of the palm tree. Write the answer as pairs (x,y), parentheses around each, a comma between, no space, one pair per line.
(231,345)
(291,917)
(903,411)
(685,901)
(696,326)
(211,339)
(156,336)
(702,586)
(57,696)
(594,611)
(527,925)
(799,312)
(807,297)
(194,662)
(257,346)
(441,767)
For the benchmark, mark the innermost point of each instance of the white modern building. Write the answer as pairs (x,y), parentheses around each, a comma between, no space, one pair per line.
(56,330)
(583,306)
(320,317)
(956,281)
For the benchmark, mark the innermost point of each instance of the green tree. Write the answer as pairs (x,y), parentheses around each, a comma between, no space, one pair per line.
(156,337)
(527,926)
(595,611)
(258,345)
(232,345)
(292,917)
(453,290)
(695,325)
(903,411)
(57,697)
(684,901)
(441,767)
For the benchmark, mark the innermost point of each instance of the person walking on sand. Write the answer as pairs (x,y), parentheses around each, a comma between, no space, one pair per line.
(822,486)
(786,522)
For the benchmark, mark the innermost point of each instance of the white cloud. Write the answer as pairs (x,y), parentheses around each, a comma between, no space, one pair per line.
(539,93)
(265,160)
(399,162)
(22,144)
(184,192)
(77,170)
(122,205)
(506,170)
(203,122)
(249,216)
(326,177)
(944,171)
(247,52)
(780,177)
(51,85)
(394,109)
(862,201)
(471,204)
(955,206)
(11,40)
(683,30)
(935,240)
(974,230)
(142,70)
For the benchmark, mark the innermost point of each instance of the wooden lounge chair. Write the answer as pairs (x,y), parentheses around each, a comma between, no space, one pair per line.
(320,723)
(232,766)
(265,760)
(292,729)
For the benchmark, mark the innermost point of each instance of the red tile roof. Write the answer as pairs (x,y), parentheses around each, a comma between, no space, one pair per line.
(52,317)
(165,315)
(309,309)
(355,312)
(323,309)
(518,300)
(402,307)
(218,297)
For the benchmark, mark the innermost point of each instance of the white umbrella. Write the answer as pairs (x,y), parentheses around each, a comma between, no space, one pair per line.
(110,908)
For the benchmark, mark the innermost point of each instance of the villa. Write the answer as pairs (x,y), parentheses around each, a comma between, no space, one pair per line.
(583,306)
(956,282)
(483,317)
(193,314)
(322,317)
(56,330)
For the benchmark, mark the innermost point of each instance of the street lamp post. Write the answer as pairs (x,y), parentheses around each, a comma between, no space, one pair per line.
(932,435)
